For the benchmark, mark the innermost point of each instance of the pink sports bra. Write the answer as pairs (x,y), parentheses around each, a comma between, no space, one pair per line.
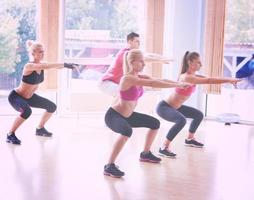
(132,94)
(185,91)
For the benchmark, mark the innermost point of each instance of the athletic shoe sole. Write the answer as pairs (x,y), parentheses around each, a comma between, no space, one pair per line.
(149,161)
(44,135)
(193,145)
(9,141)
(163,155)
(111,175)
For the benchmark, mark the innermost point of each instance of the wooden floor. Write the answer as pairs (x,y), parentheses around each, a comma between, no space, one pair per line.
(69,166)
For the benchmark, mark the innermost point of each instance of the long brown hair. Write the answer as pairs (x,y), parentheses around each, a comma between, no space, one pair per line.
(188,56)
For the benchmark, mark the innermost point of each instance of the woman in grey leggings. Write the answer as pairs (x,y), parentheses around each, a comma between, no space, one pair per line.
(173,110)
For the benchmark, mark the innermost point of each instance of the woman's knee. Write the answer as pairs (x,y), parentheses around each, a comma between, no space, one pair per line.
(51,107)
(155,124)
(26,113)
(126,131)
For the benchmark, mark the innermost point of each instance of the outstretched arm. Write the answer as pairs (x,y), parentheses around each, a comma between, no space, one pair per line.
(195,79)
(156,58)
(165,80)
(153,82)
(45,66)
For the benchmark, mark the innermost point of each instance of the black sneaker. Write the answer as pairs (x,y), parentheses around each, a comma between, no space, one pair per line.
(113,171)
(167,153)
(12,139)
(43,132)
(193,143)
(149,157)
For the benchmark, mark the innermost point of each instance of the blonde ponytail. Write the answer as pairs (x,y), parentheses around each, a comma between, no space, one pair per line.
(33,45)
(29,43)
(126,67)
(129,57)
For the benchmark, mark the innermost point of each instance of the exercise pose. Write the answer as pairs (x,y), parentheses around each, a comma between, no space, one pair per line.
(23,97)
(109,82)
(173,110)
(121,116)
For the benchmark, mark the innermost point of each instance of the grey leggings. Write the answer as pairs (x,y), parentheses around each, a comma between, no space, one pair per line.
(123,125)
(178,116)
(23,105)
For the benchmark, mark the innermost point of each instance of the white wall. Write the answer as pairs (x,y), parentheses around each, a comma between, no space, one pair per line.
(183,32)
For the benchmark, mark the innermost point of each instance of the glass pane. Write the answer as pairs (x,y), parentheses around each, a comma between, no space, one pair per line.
(17,25)
(238,50)
(95,30)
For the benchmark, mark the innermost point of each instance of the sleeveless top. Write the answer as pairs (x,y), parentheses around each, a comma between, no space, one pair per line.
(33,78)
(132,94)
(186,91)
(115,71)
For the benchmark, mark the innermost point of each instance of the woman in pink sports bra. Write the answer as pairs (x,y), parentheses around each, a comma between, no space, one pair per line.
(121,117)
(173,110)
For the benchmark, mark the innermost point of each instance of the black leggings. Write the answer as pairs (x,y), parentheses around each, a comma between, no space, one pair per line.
(123,125)
(23,105)
(178,116)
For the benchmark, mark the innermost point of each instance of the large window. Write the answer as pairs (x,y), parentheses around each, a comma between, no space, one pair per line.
(238,49)
(95,30)
(17,25)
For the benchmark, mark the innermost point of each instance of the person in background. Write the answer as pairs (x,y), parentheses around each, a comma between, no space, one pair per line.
(109,82)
